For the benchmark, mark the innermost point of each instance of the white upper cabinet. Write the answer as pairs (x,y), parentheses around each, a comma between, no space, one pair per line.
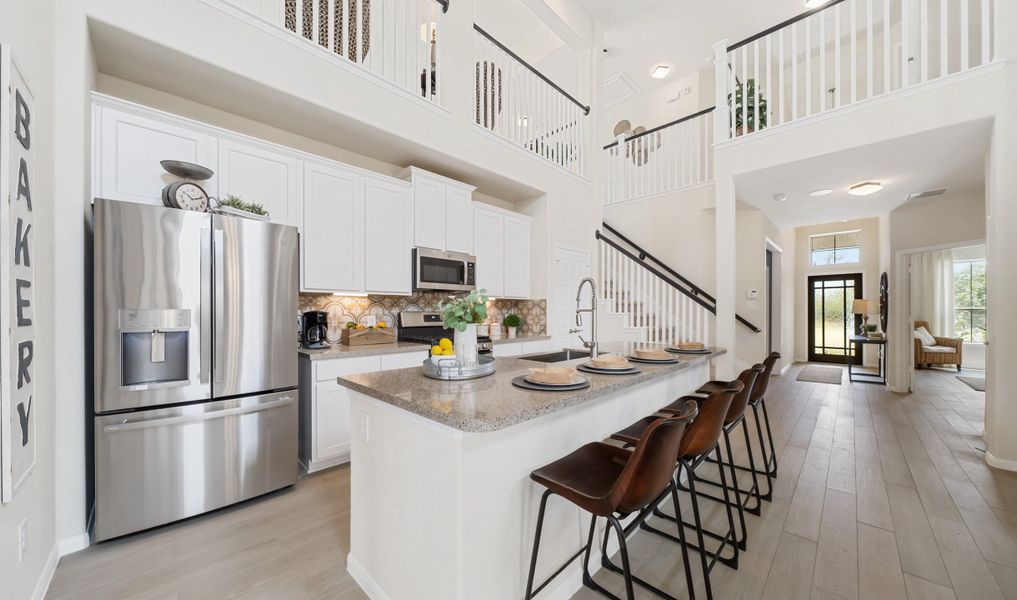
(332,243)
(257,173)
(128,149)
(502,241)
(517,257)
(389,235)
(428,212)
(459,219)
(489,248)
(442,212)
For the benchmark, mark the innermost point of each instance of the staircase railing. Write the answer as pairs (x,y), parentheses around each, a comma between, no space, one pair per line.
(653,295)
(668,158)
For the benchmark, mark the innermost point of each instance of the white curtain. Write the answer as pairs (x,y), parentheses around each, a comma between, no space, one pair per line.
(932,291)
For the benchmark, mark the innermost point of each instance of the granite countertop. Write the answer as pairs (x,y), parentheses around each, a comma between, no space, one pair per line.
(341,351)
(492,403)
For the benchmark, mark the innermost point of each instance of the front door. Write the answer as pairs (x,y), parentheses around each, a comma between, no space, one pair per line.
(831,321)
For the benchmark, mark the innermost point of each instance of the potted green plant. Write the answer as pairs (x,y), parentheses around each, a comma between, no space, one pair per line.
(871,330)
(512,322)
(235,205)
(744,108)
(462,315)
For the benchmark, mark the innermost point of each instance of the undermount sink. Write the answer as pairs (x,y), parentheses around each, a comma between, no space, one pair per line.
(557,357)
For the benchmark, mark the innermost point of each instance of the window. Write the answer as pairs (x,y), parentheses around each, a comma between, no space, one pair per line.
(835,248)
(969,299)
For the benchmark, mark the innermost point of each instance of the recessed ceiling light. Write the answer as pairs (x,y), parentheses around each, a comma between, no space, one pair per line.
(815,3)
(864,189)
(818,193)
(780,197)
(660,71)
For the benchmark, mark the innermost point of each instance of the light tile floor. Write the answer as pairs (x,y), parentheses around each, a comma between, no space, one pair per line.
(878,496)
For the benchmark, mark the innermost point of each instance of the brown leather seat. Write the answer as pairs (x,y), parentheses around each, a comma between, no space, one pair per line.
(763,382)
(606,480)
(702,435)
(740,402)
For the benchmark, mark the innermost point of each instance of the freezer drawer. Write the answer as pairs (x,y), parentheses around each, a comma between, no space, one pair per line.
(155,467)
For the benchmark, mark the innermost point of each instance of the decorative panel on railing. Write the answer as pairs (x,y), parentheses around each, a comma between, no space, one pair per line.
(398,40)
(516,102)
(665,313)
(664,159)
(849,51)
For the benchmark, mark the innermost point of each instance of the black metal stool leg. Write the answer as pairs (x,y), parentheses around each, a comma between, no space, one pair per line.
(681,537)
(624,550)
(733,563)
(699,531)
(757,509)
(536,544)
(769,434)
(770,473)
(742,542)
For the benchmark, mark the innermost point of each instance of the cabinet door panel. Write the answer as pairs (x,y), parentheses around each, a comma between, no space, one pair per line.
(517,258)
(428,213)
(129,149)
(332,243)
(331,420)
(489,248)
(259,175)
(389,226)
(458,220)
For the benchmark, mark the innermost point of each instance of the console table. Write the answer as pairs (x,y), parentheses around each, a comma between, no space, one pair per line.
(880,376)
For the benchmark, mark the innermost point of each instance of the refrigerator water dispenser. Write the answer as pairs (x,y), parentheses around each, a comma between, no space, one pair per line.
(154,348)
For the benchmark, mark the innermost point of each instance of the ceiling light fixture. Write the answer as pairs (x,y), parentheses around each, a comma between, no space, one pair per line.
(866,188)
(815,3)
(780,197)
(818,193)
(660,71)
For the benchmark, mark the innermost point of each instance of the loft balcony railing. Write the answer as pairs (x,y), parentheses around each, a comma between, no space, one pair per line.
(846,52)
(400,41)
(669,158)
(516,102)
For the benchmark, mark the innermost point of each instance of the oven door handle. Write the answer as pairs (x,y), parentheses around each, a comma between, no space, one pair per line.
(207,416)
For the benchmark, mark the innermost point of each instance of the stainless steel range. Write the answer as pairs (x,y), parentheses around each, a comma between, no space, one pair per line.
(195,363)
(426,328)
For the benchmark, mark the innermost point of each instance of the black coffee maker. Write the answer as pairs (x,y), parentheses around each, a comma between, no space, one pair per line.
(314,329)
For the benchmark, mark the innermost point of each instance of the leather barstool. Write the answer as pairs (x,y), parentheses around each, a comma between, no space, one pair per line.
(611,482)
(735,417)
(757,401)
(701,439)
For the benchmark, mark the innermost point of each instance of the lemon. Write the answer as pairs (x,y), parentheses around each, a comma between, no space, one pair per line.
(445,343)
(437,350)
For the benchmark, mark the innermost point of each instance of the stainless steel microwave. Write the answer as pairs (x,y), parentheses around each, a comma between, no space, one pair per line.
(443,271)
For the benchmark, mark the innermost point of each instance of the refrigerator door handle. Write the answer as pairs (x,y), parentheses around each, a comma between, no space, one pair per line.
(183,419)
(205,312)
(217,300)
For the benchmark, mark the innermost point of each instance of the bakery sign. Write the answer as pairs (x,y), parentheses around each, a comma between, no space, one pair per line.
(17,278)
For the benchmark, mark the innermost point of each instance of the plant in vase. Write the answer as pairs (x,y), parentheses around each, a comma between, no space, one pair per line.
(870,330)
(512,322)
(744,108)
(462,315)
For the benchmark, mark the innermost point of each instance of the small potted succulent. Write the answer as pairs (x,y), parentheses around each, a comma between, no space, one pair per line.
(462,315)
(235,205)
(512,322)
(872,331)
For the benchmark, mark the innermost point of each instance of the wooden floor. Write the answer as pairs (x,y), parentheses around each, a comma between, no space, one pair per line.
(878,496)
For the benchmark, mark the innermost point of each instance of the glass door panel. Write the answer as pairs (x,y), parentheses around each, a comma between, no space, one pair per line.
(833,324)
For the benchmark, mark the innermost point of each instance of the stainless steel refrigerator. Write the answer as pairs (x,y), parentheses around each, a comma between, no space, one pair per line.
(195,403)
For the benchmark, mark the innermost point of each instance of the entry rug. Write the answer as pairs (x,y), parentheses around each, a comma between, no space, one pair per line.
(821,375)
(975,383)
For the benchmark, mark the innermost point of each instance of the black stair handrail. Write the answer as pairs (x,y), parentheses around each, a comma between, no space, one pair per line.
(696,293)
(782,25)
(531,68)
(664,126)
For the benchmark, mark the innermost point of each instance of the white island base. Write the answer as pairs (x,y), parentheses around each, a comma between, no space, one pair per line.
(441,513)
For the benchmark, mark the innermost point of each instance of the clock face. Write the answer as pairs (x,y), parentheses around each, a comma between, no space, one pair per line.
(189,196)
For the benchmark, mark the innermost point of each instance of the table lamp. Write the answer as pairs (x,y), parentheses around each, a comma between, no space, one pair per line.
(865,308)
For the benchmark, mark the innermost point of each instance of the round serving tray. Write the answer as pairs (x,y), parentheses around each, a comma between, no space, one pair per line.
(521,382)
(596,371)
(675,350)
(653,361)
(186,170)
(451,370)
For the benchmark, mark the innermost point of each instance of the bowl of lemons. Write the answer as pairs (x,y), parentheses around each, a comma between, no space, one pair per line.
(443,351)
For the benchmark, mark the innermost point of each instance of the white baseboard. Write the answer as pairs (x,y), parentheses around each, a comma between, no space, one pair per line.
(785,369)
(364,579)
(75,543)
(1000,463)
(42,585)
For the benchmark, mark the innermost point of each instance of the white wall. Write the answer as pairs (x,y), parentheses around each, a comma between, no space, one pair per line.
(652,108)
(28,27)
(868,266)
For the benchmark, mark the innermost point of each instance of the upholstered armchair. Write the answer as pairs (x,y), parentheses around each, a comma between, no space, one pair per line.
(945,351)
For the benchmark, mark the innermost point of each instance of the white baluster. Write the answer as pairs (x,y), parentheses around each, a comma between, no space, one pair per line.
(808,66)
(838,82)
(794,71)
(923,40)
(822,62)
(755,86)
(944,38)
(986,33)
(887,45)
(905,49)
(869,62)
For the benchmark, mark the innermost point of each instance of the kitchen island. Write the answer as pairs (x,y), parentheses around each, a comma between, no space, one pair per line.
(441,501)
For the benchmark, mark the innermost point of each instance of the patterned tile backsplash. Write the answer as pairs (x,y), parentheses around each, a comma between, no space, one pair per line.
(343,309)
